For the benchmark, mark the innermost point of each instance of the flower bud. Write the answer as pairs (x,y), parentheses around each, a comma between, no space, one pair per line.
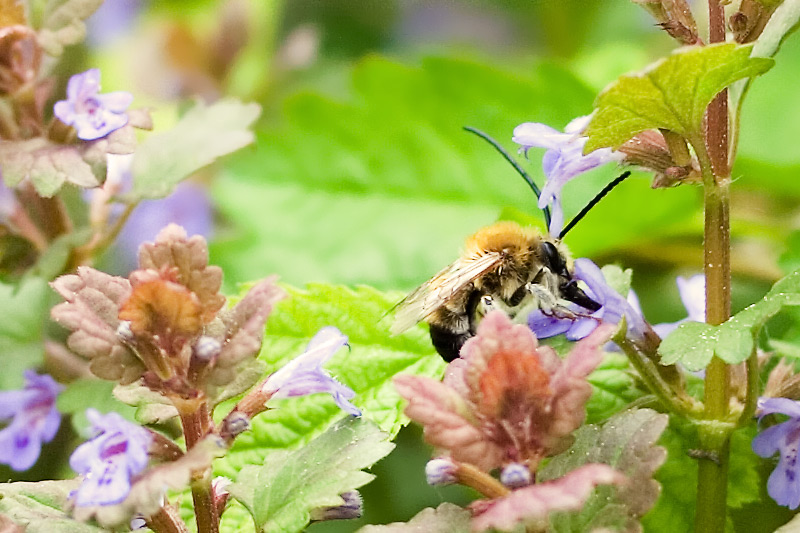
(353,508)
(515,476)
(234,425)
(124,332)
(440,471)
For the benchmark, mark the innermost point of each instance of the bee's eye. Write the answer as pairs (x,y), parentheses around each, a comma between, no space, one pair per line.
(553,259)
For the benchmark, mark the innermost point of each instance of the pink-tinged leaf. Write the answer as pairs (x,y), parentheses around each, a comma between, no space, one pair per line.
(571,390)
(47,165)
(447,518)
(626,442)
(532,505)
(244,332)
(445,418)
(188,257)
(90,312)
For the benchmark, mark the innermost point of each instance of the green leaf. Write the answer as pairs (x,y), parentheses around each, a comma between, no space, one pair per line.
(614,387)
(694,344)
(447,518)
(46,164)
(39,507)
(373,358)
(672,94)
(625,442)
(203,134)
(62,23)
(282,493)
(21,331)
(89,392)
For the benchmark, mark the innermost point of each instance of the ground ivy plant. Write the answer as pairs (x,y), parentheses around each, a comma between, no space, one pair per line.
(191,409)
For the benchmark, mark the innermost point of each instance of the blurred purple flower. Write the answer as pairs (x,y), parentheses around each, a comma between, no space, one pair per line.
(8,202)
(516,475)
(613,308)
(693,296)
(441,471)
(111,21)
(353,507)
(304,374)
(34,420)
(563,160)
(783,485)
(108,461)
(93,115)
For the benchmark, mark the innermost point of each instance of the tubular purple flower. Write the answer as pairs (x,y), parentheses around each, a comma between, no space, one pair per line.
(34,420)
(110,460)
(93,115)
(783,485)
(563,160)
(515,476)
(613,308)
(304,374)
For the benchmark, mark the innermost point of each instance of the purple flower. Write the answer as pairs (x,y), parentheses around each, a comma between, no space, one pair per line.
(563,160)
(304,374)
(93,115)
(693,296)
(441,471)
(108,461)
(34,420)
(784,482)
(613,308)
(8,202)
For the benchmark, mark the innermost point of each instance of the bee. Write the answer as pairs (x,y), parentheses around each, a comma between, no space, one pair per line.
(503,266)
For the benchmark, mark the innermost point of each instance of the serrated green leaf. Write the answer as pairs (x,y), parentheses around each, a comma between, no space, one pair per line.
(204,134)
(625,442)
(694,344)
(614,386)
(89,392)
(671,94)
(21,332)
(282,493)
(39,507)
(373,358)
(447,518)
(61,22)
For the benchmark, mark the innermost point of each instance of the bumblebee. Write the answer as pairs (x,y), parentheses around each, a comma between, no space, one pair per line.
(504,266)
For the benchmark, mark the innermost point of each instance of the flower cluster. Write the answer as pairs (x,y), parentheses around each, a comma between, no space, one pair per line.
(508,403)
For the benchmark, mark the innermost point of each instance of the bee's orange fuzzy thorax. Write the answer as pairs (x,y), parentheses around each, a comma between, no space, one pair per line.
(499,237)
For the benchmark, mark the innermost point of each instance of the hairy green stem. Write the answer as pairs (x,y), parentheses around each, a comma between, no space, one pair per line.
(753,389)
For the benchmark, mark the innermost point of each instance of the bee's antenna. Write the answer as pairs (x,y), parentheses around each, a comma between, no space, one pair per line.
(516,166)
(593,203)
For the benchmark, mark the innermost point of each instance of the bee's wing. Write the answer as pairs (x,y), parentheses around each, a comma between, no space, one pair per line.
(431,295)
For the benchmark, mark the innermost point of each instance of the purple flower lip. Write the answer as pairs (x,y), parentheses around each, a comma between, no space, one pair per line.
(93,115)
(34,420)
(784,438)
(304,374)
(110,460)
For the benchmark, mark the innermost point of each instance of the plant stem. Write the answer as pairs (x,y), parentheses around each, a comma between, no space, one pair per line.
(712,152)
(196,425)
(481,481)
(167,520)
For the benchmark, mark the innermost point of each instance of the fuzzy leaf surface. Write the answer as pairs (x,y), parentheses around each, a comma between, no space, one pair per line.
(49,166)
(447,518)
(282,493)
(625,442)
(671,94)
(204,134)
(39,507)
(694,344)
(367,367)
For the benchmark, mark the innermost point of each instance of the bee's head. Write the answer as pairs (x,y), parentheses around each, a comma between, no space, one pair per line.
(557,261)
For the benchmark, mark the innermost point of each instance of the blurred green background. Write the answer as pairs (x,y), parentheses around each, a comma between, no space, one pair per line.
(362,173)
